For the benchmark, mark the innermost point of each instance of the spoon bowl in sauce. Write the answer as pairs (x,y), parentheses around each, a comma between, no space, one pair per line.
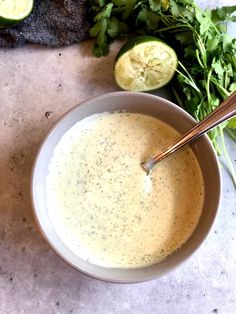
(96,206)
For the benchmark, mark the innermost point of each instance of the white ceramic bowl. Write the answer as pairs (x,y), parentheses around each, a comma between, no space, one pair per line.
(141,103)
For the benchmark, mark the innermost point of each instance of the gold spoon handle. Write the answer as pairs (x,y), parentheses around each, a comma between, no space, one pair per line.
(226,110)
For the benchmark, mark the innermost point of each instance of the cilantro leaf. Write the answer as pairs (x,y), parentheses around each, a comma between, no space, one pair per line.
(232,123)
(185,38)
(149,18)
(105,13)
(232,87)
(99,31)
(165,5)
(100,47)
(217,66)
(212,43)
(124,7)
(204,19)
(116,27)
(227,42)
(155,5)
(224,14)
(175,9)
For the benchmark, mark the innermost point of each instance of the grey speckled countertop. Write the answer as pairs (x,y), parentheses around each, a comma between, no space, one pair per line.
(33,279)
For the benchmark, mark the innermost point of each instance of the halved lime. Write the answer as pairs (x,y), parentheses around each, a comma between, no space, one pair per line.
(14,11)
(144,63)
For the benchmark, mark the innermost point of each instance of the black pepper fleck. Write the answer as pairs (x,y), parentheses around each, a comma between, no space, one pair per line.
(215,311)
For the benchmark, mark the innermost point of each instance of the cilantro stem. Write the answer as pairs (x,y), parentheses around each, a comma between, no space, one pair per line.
(201,110)
(232,60)
(208,85)
(226,80)
(173,27)
(201,47)
(189,78)
(198,59)
(216,146)
(226,154)
(166,20)
(231,133)
(177,97)
(220,88)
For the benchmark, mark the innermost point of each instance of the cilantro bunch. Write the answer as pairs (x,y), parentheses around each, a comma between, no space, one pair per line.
(206,73)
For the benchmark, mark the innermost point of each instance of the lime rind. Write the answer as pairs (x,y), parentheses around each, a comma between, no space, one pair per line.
(144,64)
(13,12)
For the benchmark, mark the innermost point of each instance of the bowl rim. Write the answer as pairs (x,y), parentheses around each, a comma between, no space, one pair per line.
(34,167)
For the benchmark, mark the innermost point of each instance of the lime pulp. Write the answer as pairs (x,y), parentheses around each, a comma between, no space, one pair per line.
(145,63)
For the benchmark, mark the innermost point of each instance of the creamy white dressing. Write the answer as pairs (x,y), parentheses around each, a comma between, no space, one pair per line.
(103,205)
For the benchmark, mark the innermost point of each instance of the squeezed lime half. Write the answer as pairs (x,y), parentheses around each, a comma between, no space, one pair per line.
(14,11)
(145,63)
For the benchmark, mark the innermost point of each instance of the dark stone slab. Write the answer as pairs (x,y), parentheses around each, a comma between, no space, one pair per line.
(52,23)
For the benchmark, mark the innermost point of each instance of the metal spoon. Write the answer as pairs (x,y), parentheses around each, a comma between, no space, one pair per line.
(223,112)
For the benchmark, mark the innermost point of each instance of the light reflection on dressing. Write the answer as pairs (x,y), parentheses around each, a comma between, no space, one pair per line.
(103,205)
